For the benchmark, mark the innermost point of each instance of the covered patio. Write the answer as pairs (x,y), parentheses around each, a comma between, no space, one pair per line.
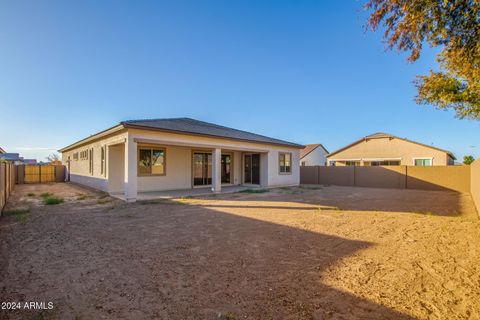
(182,168)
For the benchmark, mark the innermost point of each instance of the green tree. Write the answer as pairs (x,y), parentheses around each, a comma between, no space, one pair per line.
(468,159)
(452,25)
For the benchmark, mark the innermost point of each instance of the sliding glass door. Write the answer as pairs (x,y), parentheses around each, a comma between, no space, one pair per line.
(226,168)
(202,169)
(251,165)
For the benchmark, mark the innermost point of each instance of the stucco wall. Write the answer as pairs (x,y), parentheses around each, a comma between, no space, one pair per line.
(79,169)
(455,178)
(475,183)
(391,148)
(274,177)
(179,150)
(177,172)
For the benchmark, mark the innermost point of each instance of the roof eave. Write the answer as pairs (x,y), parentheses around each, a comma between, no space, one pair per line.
(137,126)
(100,134)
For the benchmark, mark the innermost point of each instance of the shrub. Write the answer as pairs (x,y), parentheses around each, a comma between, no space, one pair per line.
(45,195)
(52,200)
(21,214)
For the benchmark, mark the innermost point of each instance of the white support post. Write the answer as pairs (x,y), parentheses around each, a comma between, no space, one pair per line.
(130,170)
(217,170)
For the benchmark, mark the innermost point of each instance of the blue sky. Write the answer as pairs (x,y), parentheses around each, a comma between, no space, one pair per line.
(303,71)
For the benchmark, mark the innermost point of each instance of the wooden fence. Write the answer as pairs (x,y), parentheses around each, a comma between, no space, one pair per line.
(456,178)
(7,182)
(40,173)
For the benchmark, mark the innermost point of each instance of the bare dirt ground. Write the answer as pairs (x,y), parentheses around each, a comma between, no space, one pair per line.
(290,253)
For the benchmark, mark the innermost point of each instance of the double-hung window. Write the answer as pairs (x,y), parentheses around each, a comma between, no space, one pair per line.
(285,163)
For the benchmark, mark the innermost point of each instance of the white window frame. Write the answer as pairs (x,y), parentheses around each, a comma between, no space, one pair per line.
(423,158)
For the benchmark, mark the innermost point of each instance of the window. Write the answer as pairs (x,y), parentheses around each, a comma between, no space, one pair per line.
(84,155)
(304,163)
(352,163)
(151,161)
(102,161)
(385,163)
(90,163)
(75,156)
(423,162)
(285,163)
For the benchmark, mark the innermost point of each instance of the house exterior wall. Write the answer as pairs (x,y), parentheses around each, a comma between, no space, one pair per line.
(178,169)
(274,177)
(390,148)
(79,169)
(317,157)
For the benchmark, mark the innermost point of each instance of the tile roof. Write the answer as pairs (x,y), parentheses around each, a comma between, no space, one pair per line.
(192,126)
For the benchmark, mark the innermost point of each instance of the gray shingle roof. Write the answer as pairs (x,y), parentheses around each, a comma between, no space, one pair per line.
(192,126)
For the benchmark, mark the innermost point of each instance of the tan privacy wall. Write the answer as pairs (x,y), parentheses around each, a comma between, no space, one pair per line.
(475,183)
(437,178)
(456,178)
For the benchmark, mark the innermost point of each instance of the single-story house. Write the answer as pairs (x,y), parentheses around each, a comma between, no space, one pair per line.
(181,153)
(383,149)
(313,155)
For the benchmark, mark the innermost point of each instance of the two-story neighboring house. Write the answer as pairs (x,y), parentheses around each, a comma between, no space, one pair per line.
(313,155)
(383,149)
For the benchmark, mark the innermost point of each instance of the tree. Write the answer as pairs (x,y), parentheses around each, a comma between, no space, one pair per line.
(468,159)
(453,25)
(53,157)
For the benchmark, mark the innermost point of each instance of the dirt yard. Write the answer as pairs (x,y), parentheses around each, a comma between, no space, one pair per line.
(291,253)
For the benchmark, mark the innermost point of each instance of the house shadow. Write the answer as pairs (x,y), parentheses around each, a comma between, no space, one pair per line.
(218,263)
(386,190)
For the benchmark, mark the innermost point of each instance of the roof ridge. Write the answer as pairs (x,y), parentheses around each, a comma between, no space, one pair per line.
(396,137)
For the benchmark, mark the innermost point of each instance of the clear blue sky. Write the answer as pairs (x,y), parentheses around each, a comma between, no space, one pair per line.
(303,71)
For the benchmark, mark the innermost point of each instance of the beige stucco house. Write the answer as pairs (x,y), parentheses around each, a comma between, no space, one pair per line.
(382,149)
(181,153)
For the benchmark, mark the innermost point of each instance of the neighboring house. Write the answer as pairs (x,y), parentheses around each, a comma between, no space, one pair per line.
(30,161)
(313,155)
(181,153)
(12,157)
(381,149)
(16,159)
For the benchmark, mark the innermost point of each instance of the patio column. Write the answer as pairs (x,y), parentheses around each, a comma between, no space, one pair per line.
(217,170)
(130,170)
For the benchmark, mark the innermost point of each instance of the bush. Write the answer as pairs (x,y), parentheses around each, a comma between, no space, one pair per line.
(45,195)
(52,200)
